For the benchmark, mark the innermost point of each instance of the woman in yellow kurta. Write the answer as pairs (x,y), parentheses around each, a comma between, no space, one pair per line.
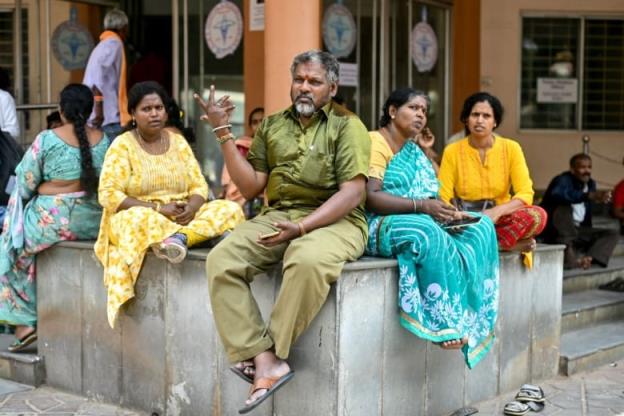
(481,171)
(153,195)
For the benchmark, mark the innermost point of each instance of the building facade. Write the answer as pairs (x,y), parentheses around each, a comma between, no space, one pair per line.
(557,65)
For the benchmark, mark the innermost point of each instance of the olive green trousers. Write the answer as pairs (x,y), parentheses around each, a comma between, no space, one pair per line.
(311,263)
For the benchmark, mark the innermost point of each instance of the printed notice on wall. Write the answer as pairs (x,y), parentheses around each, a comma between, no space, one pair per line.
(256,15)
(557,90)
(348,75)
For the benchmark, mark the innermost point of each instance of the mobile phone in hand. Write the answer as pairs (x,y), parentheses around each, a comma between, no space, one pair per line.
(270,234)
(461,223)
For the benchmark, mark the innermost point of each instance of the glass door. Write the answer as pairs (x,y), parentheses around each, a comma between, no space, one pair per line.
(419,57)
(398,43)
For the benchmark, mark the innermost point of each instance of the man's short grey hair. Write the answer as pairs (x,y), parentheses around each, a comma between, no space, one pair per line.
(326,59)
(115,20)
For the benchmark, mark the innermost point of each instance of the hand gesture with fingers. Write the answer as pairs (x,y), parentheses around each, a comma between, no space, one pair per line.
(216,112)
(426,139)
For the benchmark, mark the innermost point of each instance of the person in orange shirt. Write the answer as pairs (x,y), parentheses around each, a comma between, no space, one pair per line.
(243,143)
(479,172)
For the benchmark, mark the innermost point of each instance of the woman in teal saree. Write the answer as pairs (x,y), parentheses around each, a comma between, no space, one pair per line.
(54,200)
(448,280)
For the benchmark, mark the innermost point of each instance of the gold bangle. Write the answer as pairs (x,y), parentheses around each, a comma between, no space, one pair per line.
(414,206)
(225,138)
(157,207)
(302,230)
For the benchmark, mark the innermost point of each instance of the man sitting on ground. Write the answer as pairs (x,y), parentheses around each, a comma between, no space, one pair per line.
(313,160)
(568,201)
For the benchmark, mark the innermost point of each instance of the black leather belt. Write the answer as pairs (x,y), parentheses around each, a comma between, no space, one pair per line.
(475,206)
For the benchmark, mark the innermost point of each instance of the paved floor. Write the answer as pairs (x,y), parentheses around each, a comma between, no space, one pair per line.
(47,401)
(596,393)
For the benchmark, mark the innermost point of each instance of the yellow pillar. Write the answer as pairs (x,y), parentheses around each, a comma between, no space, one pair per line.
(290,27)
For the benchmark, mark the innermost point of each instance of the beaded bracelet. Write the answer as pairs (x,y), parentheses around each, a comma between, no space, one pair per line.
(225,138)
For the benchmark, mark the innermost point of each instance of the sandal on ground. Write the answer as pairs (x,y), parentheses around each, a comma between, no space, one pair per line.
(25,341)
(616,285)
(271,385)
(530,393)
(465,411)
(516,408)
(240,372)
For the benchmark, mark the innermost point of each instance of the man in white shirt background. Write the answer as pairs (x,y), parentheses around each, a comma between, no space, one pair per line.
(8,115)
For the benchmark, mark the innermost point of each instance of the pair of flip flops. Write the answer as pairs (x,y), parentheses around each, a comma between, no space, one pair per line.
(529,398)
(24,342)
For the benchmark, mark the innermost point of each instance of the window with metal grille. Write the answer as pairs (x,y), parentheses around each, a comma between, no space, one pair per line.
(7,50)
(572,73)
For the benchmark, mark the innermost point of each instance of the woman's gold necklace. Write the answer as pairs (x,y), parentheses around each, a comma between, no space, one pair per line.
(144,144)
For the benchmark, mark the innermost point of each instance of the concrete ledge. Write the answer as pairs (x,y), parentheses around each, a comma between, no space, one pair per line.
(165,355)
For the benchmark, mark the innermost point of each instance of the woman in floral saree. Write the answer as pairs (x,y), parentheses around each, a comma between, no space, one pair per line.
(448,281)
(57,181)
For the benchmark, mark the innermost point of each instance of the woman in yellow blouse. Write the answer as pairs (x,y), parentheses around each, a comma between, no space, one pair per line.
(153,195)
(481,170)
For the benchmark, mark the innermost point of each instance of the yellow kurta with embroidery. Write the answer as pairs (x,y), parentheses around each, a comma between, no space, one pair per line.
(125,236)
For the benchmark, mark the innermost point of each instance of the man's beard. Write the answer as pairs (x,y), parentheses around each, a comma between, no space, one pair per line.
(306,108)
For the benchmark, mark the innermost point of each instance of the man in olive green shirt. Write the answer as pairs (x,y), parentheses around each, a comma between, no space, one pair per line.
(313,160)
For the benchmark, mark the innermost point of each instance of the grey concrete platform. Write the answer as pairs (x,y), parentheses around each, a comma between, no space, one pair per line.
(164,356)
(592,347)
(577,280)
(582,309)
(25,367)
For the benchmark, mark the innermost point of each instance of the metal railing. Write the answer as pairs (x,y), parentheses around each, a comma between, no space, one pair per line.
(28,107)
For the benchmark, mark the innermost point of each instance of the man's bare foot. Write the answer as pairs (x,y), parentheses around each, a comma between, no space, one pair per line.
(525,245)
(585,262)
(453,344)
(267,365)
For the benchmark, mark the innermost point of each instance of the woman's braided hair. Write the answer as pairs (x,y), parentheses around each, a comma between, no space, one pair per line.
(76,106)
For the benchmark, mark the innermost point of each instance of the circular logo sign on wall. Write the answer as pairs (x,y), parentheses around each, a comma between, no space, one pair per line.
(339,32)
(424,47)
(71,43)
(224,29)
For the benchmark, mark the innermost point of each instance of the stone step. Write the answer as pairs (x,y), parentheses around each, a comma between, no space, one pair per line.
(619,248)
(578,280)
(590,307)
(588,348)
(24,367)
